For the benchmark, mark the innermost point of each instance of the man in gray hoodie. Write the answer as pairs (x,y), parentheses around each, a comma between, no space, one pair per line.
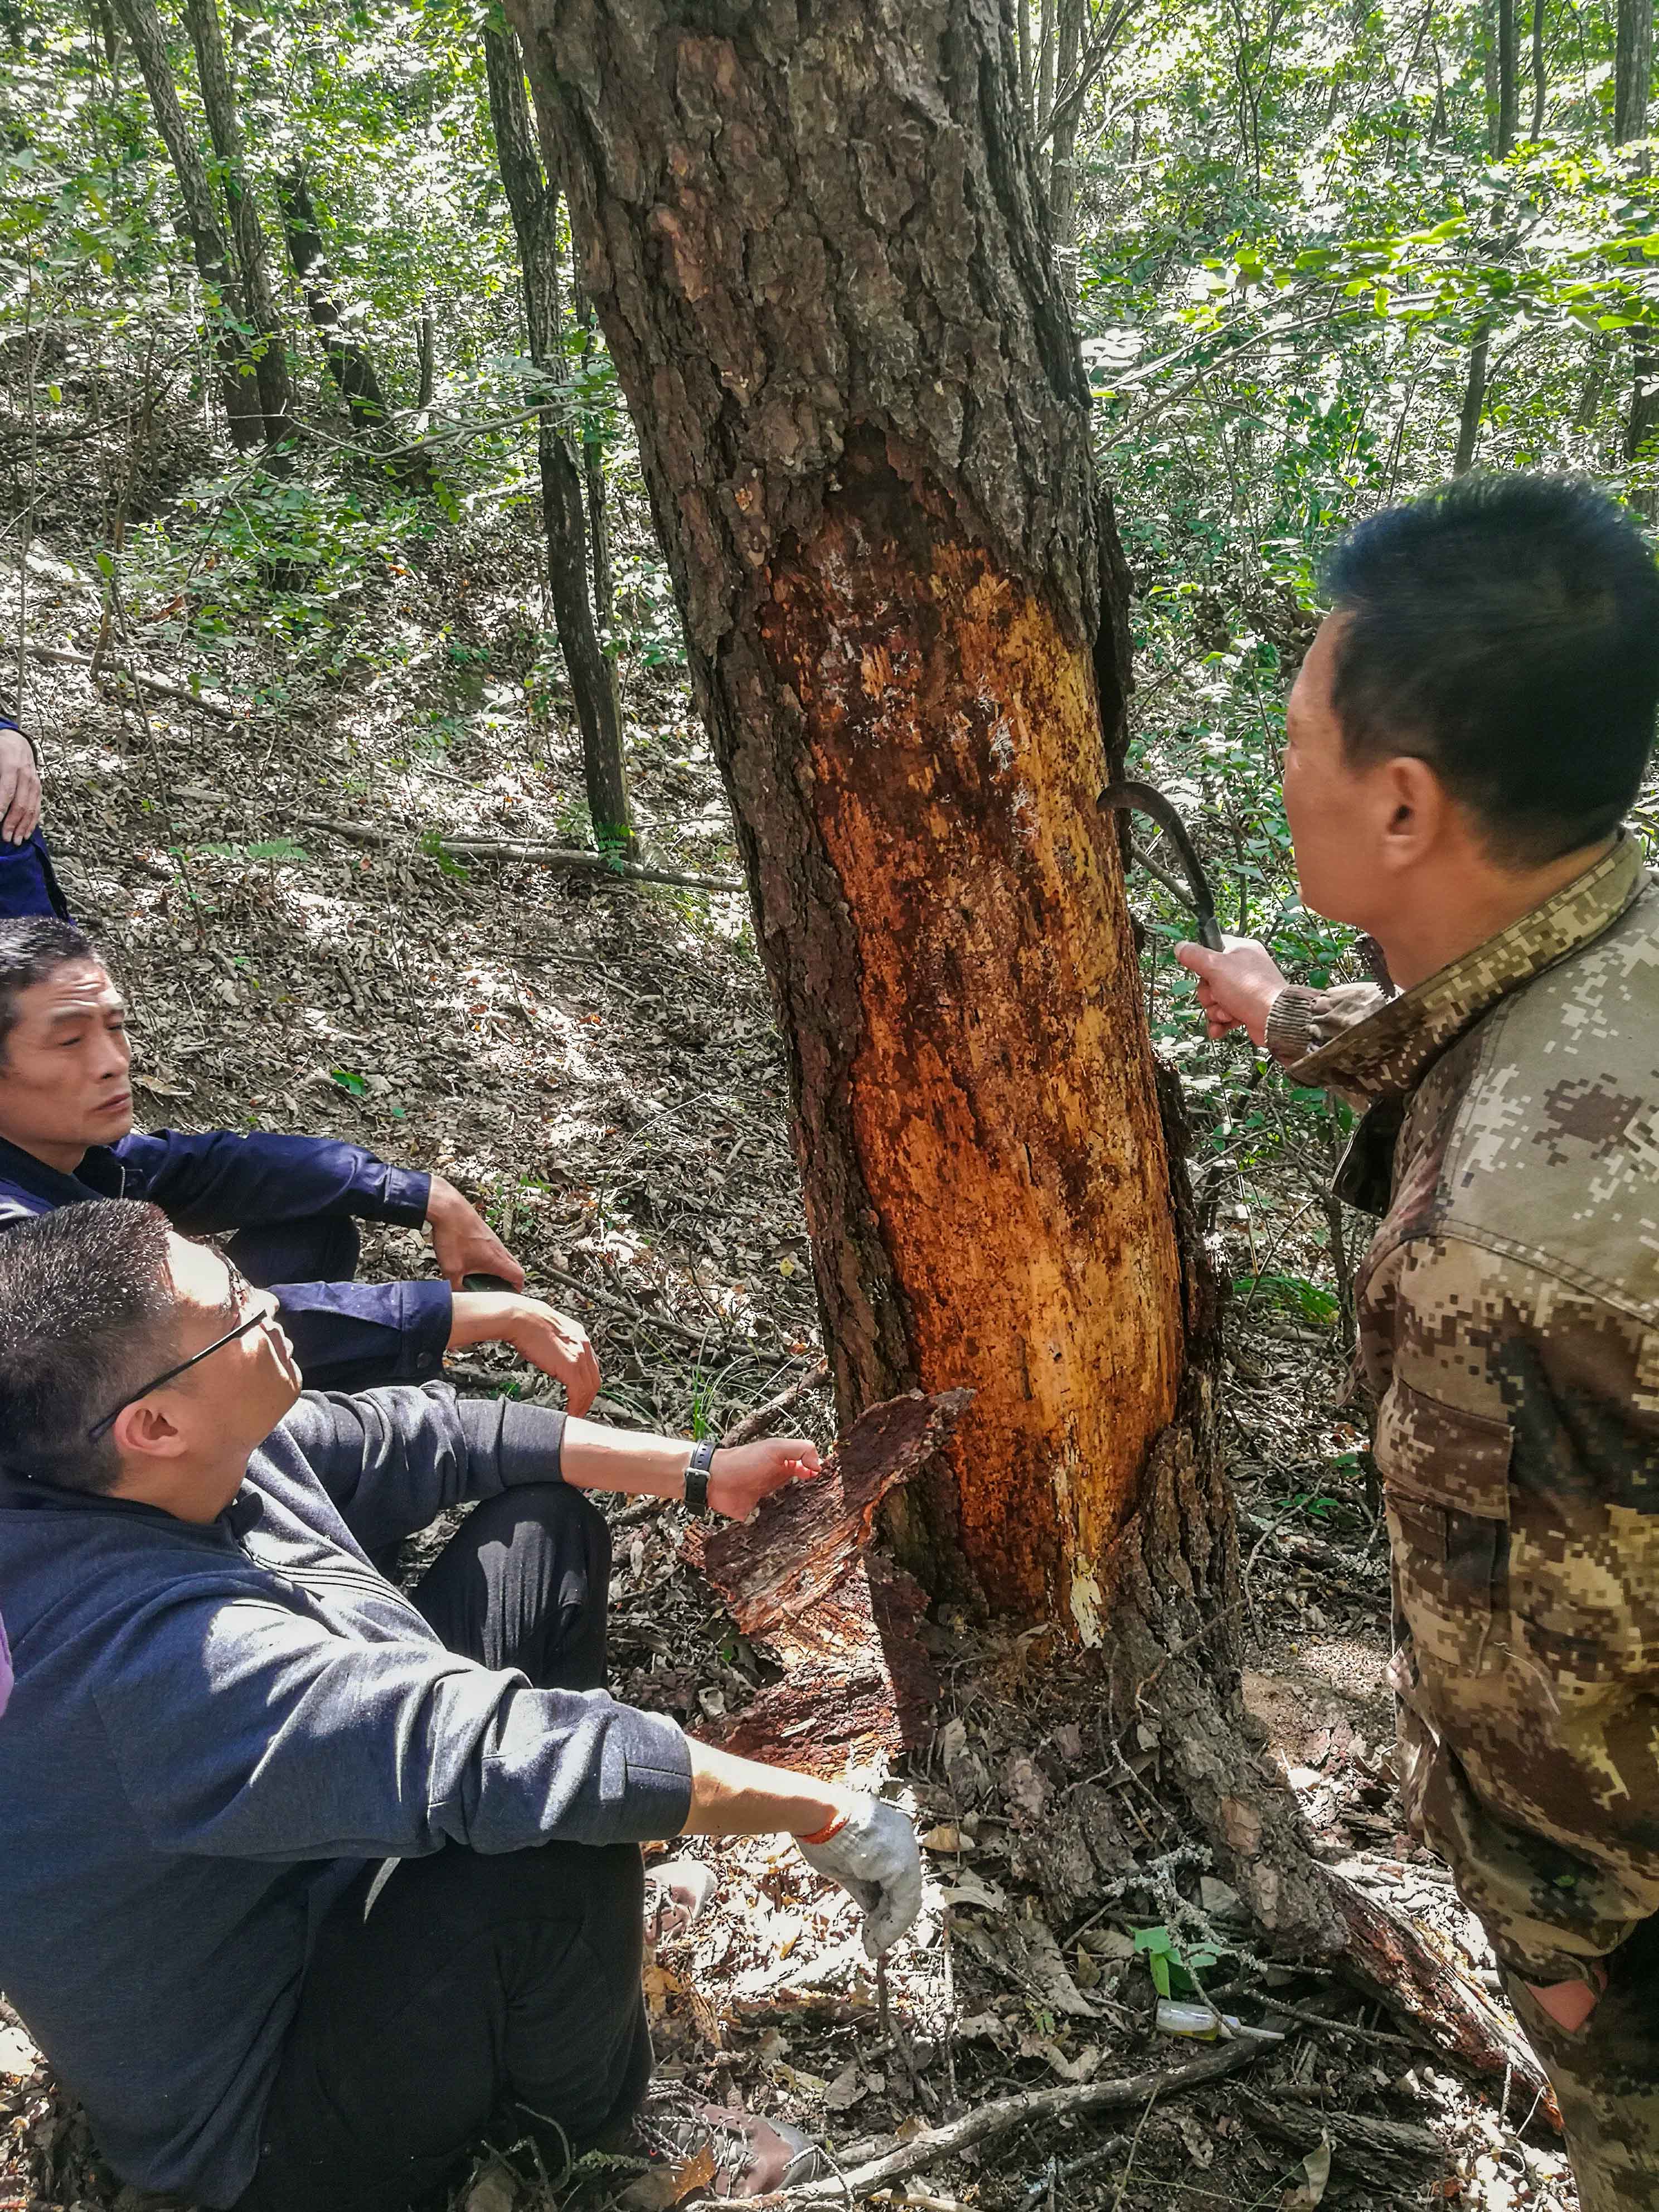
(225,1725)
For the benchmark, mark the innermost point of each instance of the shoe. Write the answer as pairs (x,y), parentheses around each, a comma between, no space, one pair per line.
(743,2154)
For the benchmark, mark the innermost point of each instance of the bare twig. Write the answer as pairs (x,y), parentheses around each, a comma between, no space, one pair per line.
(762,1418)
(996,2118)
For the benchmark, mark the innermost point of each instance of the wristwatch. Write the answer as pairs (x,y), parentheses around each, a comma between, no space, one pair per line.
(696,1475)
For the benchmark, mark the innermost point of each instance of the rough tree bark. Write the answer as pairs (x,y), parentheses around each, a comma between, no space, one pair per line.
(349,361)
(239,389)
(533,201)
(225,127)
(814,239)
(1633,70)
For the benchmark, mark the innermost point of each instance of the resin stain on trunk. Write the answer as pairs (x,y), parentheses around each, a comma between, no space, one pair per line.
(1006,1127)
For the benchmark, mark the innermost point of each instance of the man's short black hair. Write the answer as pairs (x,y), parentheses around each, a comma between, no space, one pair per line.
(86,1312)
(1505,630)
(31,948)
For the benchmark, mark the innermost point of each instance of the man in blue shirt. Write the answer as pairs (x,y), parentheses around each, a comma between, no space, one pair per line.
(66,1135)
(308,1878)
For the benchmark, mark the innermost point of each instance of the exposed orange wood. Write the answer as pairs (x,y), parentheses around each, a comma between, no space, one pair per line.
(1002,1097)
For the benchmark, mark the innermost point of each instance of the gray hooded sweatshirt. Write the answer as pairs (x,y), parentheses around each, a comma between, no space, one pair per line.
(212,1729)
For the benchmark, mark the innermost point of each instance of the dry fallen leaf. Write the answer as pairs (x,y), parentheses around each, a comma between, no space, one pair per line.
(1310,2189)
(846,2089)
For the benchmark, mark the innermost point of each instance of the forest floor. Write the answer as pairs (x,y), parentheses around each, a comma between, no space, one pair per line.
(596,1064)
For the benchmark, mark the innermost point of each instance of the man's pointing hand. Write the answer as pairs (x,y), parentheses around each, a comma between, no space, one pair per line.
(1237,987)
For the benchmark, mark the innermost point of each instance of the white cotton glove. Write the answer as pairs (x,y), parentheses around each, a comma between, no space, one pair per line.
(873,1856)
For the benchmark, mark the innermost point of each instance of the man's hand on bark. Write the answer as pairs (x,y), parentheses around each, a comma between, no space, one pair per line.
(550,1340)
(740,1475)
(1237,987)
(463,1242)
(19,789)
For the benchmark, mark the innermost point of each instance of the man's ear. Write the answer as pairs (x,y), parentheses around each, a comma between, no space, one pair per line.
(143,1431)
(1414,811)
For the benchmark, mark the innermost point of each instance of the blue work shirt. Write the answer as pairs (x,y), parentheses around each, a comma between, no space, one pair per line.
(215,1179)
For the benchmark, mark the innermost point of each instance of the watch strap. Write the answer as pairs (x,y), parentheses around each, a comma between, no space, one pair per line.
(696,1474)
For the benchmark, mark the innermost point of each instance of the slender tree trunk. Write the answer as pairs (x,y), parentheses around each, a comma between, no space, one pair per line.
(534,204)
(1501,125)
(1539,78)
(1589,392)
(426,361)
(1474,401)
(1633,70)
(1027,72)
(239,388)
(598,523)
(349,362)
(906,621)
(1045,70)
(1068,113)
(1508,77)
(225,127)
(1633,76)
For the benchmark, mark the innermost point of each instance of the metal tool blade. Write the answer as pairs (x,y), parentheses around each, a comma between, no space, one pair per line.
(1145,799)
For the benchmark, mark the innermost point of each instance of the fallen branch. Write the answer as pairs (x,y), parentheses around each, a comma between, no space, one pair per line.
(569,856)
(222,708)
(354,833)
(763,1419)
(514,848)
(995,2118)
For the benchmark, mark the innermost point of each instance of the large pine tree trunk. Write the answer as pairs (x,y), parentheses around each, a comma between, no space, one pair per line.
(239,388)
(533,201)
(812,235)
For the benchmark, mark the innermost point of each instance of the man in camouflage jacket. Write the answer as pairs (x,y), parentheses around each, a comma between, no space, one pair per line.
(1508,1306)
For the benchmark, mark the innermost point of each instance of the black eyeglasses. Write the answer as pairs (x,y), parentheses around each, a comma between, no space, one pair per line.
(241,1289)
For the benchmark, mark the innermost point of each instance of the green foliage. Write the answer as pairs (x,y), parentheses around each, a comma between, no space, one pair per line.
(1294,1291)
(1169,1961)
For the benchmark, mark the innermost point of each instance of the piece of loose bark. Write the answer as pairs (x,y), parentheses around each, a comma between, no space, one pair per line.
(800,1581)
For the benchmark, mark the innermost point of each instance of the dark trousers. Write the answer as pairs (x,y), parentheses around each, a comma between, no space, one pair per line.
(28,882)
(498,1993)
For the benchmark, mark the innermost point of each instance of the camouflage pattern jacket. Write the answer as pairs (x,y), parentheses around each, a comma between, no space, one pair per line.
(1508,1320)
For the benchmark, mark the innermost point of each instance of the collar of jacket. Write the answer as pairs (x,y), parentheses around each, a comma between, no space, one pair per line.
(1386,1055)
(100,1174)
(244,1511)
